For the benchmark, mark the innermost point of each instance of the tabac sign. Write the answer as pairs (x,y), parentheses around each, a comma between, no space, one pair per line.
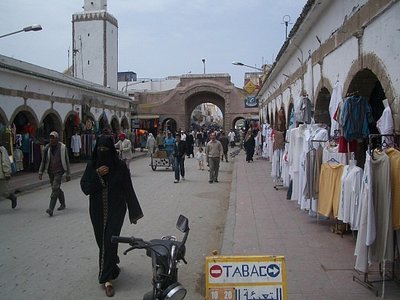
(245,278)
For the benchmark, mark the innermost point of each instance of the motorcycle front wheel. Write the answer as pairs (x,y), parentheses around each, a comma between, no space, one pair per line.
(175,291)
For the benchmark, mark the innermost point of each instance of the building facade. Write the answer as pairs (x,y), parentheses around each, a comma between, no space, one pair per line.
(95,44)
(351,43)
(35,101)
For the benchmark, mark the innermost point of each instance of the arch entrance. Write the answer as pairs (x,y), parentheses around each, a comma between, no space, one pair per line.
(169,124)
(193,90)
(321,114)
(197,104)
(365,83)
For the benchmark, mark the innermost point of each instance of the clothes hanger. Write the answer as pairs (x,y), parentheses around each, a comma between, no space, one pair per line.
(334,160)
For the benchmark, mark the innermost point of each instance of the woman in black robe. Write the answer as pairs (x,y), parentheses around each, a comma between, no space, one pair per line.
(108,183)
(249,146)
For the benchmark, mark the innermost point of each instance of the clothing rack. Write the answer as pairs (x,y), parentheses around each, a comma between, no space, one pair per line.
(376,135)
(279,180)
(365,281)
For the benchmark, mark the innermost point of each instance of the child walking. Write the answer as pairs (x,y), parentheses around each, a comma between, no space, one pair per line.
(200,156)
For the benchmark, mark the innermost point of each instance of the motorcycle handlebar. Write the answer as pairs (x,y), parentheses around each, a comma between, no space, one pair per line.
(122,239)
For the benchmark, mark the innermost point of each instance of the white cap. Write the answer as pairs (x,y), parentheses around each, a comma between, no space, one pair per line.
(54,133)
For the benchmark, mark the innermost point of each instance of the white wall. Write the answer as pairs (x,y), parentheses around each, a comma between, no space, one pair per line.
(381,38)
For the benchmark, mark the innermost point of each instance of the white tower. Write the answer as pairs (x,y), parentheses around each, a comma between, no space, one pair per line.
(95,44)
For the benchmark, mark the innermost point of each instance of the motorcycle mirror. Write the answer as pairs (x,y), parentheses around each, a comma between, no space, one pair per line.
(182,224)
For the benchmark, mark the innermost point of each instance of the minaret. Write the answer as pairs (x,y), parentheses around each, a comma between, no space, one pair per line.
(95,44)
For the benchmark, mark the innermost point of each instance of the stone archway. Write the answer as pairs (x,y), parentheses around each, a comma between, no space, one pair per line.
(199,98)
(170,125)
(290,115)
(3,117)
(50,123)
(367,84)
(124,124)
(190,92)
(321,113)
(115,125)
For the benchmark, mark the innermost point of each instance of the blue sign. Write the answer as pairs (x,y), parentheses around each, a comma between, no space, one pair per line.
(250,102)
(273,270)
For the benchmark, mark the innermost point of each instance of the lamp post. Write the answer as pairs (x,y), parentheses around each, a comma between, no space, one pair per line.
(34,27)
(204,65)
(133,83)
(286,20)
(236,63)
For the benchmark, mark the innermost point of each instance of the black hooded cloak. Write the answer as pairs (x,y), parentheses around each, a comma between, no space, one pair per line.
(109,196)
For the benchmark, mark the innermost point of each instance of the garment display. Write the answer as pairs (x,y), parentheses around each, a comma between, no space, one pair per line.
(394,158)
(375,235)
(385,125)
(19,159)
(336,100)
(329,189)
(382,249)
(355,116)
(350,195)
(305,111)
(76,144)
(366,218)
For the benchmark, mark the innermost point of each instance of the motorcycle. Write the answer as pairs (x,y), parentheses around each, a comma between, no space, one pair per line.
(165,253)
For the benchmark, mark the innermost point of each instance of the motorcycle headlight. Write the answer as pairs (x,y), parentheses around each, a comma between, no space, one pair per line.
(175,291)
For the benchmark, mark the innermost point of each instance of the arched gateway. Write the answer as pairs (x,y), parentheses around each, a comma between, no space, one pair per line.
(177,104)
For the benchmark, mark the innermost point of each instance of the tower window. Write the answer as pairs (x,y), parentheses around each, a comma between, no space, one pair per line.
(88,62)
(88,34)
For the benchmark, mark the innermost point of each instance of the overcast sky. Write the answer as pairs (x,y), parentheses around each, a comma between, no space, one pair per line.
(157,38)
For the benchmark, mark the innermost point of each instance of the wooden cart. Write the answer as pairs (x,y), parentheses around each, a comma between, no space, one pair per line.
(160,159)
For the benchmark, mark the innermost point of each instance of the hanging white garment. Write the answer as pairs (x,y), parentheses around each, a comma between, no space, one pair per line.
(295,149)
(366,231)
(302,200)
(76,143)
(285,167)
(382,249)
(385,126)
(350,194)
(336,99)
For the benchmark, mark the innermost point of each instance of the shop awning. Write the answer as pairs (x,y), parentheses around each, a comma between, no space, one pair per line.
(146,117)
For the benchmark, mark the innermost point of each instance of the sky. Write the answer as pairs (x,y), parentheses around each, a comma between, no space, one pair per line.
(157,38)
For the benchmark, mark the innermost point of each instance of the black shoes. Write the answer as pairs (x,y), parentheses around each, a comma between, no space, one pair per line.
(210,181)
(13,199)
(109,289)
(49,212)
(61,207)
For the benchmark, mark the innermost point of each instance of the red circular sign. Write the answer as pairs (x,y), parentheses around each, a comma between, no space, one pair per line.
(216,271)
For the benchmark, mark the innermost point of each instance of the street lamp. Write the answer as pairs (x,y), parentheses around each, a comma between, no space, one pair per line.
(133,83)
(286,20)
(236,63)
(34,27)
(204,65)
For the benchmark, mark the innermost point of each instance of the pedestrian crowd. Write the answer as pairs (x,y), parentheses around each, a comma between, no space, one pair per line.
(108,173)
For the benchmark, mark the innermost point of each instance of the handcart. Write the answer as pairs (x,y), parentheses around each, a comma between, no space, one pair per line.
(160,159)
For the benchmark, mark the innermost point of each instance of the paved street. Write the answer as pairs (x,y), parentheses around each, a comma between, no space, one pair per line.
(48,258)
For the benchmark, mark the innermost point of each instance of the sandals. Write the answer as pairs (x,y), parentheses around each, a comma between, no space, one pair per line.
(109,289)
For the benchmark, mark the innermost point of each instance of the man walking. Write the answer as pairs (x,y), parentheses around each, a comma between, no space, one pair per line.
(213,154)
(179,154)
(5,175)
(124,147)
(231,137)
(224,141)
(55,162)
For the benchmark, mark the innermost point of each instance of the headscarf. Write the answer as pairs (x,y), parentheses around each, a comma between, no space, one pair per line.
(108,157)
